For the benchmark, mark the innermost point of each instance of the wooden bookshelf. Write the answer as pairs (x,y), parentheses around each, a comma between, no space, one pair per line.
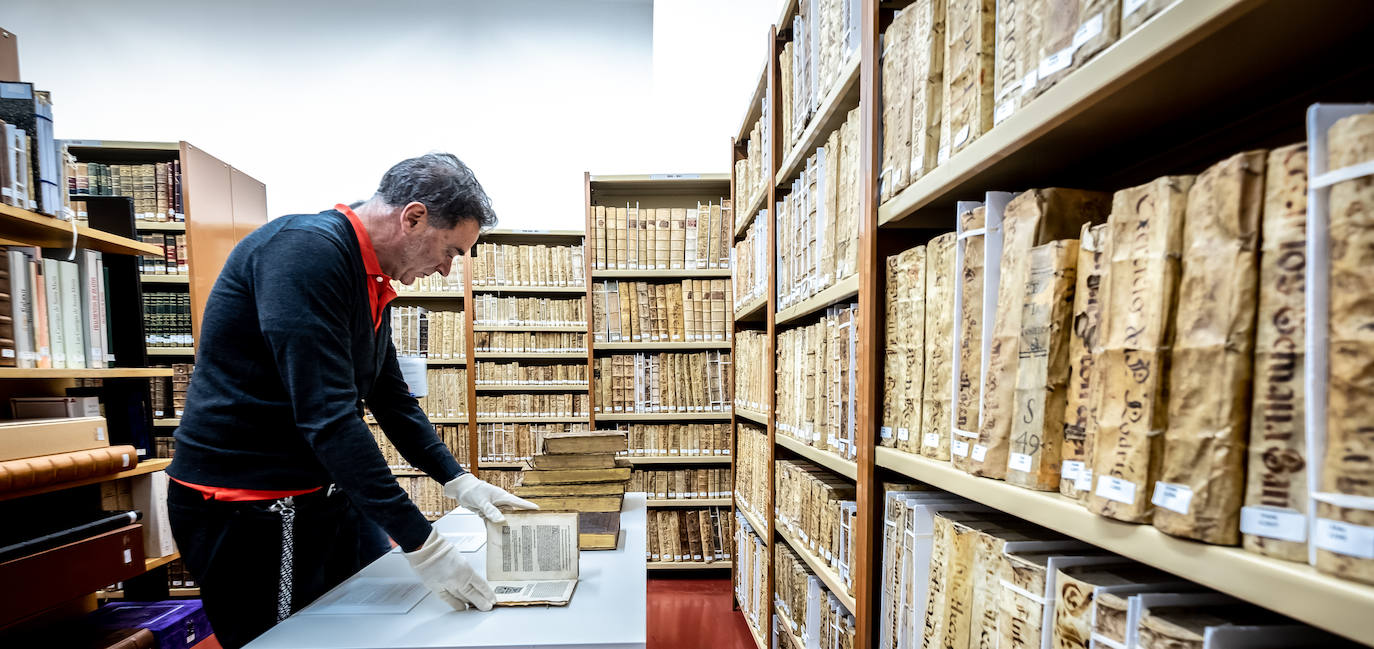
(533,328)
(158,562)
(1195,83)
(167,422)
(760,639)
(790,640)
(522,419)
(144,467)
(34,229)
(429,295)
(441,362)
(755,521)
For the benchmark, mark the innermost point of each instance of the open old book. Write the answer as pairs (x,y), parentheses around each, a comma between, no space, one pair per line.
(532,558)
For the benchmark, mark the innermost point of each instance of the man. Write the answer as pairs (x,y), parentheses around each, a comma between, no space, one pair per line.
(277,480)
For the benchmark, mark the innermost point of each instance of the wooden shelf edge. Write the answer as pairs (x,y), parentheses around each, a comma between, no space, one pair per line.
(45,231)
(144,467)
(742,228)
(680,344)
(676,459)
(171,351)
(160,226)
(752,415)
(661,273)
(687,565)
(838,292)
(826,575)
(167,421)
(664,416)
(537,387)
(533,355)
(1293,589)
(759,639)
(430,295)
(106,373)
(533,328)
(794,640)
(148,278)
(754,521)
(824,458)
(489,288)
(662,503)
(751,308)
(826,119)
(158,562)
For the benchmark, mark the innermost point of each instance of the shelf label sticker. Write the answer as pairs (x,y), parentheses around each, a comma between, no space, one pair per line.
(885,432)
(958,447)
(1056,62)
(1004,110)
(1114,488)
(1281,524)
(1087,31)
(931,439)
(1070,470)
(1032,78)
(979,452)
(903,434)
(1019,462)
(1173,497)
(1344,538)
(128,555)
(1129,7)
(1084,481)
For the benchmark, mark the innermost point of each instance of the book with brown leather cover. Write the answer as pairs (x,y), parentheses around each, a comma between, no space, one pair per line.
(43,470)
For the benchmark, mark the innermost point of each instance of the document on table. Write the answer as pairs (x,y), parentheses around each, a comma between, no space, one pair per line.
(370,596)
(532,558)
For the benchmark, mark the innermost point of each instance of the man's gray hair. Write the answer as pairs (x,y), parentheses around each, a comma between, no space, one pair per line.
(447,188)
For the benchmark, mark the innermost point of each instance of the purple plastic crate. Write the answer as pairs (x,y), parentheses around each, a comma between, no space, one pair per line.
(176,623)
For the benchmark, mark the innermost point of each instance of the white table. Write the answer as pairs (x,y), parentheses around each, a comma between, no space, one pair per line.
(607,609)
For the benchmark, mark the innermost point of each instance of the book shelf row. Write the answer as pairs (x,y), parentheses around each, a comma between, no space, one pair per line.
(883,133)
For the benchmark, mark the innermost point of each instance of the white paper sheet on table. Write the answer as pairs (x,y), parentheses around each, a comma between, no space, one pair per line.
(370,596)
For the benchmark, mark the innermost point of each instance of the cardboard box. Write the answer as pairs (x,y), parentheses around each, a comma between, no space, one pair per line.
(150,497)
(69,571)
(54,407)
(36,437)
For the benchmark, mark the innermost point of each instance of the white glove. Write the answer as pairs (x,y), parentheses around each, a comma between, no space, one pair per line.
(441,567)
(483,498)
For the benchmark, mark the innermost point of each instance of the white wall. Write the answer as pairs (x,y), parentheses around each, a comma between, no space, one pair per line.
(316,98)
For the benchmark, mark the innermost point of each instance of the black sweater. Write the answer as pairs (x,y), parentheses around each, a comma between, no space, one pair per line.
(287,354)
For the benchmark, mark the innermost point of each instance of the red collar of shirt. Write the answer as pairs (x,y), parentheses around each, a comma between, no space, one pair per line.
(379,291)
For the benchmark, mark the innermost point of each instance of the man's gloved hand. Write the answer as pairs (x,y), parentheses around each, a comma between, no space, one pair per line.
(441,567)
(483,498)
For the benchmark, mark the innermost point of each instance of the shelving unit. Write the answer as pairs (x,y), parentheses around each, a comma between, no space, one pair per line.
(510,288)
(688,565)
(1195,83)
(656,191)
(531,387)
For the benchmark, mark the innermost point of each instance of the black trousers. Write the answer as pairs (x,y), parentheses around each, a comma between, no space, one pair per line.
(233,549)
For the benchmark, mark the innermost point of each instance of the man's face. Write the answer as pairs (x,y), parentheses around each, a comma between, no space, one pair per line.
(429,249)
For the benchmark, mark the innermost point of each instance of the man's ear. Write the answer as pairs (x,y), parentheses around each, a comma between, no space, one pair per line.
(412,215)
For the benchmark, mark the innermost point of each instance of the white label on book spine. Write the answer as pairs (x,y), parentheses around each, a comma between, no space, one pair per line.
(128,555)
(1172,496)
(958,447)
(961,136)
(126,460)
(1084,482)
(1129,7)
(979,452)
(931,439)
(903,434)
(1114,488)
(1344,538)
(99,433)
(7,353)
(885,432)
(1056,62)
(1281,524)
(1070,470)
(1003,111)
(1087,31)
(1019,462)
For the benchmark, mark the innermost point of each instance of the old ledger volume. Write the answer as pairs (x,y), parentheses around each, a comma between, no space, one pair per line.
(532,558)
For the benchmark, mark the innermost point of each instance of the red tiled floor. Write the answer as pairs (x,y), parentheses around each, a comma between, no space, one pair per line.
(694,614)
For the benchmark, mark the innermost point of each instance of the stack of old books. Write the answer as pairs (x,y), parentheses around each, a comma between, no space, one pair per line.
(579,472)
